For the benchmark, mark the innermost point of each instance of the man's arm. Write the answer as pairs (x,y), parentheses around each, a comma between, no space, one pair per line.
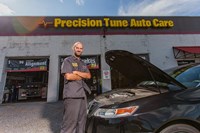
(85,75)
(71,76)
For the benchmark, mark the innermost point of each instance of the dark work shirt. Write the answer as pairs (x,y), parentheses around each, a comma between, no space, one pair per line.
(74,88)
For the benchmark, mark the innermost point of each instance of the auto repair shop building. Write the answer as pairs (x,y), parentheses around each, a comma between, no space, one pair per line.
(33,48)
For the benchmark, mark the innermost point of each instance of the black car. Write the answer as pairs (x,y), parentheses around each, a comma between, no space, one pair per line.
(156,102)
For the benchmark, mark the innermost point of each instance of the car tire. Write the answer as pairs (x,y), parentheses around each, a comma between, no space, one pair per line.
(182,128)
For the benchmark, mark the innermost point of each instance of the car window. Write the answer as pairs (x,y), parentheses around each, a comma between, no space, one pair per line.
(188,75)
(159,86)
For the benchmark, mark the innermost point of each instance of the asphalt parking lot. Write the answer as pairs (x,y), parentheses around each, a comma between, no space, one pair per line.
(31,117)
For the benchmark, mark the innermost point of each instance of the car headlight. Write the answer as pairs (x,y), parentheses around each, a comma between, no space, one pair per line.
(114,113)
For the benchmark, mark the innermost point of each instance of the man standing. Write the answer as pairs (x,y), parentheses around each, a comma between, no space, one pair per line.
(75,101)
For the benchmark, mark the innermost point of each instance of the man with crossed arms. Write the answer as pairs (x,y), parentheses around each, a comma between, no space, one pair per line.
(75,71)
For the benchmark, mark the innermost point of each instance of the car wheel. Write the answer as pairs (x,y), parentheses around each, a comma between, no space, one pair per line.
(180,128)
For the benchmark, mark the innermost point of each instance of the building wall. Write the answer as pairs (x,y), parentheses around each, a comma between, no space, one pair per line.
(159,48)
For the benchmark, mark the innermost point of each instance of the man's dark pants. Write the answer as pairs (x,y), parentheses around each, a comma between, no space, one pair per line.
(75,113)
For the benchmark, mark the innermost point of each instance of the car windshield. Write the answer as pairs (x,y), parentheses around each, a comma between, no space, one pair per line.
(187,75)
(158,86)
(155,83)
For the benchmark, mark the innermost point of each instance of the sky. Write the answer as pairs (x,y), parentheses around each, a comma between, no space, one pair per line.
(99,7)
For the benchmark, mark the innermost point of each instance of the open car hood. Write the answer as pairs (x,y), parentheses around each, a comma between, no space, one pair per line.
(137,69)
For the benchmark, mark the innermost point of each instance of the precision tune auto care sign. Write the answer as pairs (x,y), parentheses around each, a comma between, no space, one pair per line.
(108,22)
(29,26)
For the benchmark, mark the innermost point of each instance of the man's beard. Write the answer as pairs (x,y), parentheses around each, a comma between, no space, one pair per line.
(77,55)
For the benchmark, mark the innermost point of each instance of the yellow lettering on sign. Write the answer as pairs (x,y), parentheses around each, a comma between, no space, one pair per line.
(112,23)
(140,23)
(106,21)
(115,23)
(162,23)
(57,22)
(77,23)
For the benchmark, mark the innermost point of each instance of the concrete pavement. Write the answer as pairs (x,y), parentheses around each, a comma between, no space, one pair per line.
(31,117)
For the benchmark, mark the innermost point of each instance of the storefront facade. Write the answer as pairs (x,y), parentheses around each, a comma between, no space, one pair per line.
(157,39)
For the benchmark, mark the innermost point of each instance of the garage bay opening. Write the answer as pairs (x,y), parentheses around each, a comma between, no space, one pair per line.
(27,80)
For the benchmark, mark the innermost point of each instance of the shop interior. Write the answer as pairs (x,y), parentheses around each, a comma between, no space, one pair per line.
(94,83)
(26,86)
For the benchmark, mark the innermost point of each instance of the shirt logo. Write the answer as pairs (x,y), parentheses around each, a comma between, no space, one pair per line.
(74,64)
